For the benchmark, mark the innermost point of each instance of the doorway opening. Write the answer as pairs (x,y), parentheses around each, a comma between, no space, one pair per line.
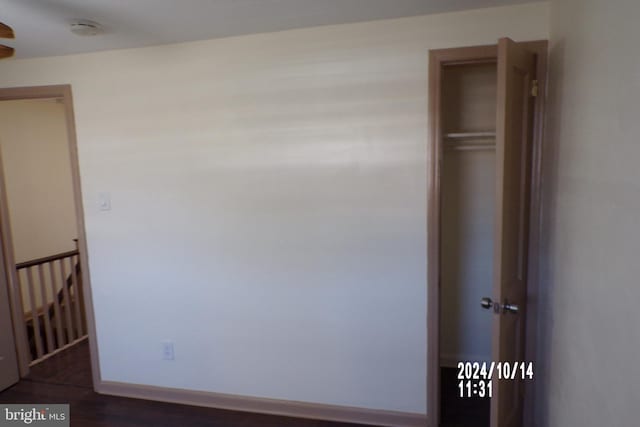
(467,233)
(486,111)
(42,227)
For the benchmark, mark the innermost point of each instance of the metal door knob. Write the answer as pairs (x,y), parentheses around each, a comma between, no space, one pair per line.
(498,308)
(509,308)
(486,303)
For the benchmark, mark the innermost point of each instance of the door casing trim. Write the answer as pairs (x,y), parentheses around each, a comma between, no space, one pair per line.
(22,349)
(439,58)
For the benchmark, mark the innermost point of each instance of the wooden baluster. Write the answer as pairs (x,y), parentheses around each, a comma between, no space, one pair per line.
(67,302)
(35,318)
(76,300)
(21,286)
(83,309)
(56,306)
(23,298)
(45,304)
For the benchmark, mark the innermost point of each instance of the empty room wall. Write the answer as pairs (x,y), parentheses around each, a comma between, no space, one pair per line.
(268,205)
(589,335)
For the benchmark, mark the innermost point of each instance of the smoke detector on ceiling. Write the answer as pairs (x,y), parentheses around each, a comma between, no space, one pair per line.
(84,27)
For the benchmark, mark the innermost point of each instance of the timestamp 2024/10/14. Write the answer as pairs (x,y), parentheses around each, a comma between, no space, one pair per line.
(475,379)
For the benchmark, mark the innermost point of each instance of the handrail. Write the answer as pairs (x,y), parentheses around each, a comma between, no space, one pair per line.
(60,319)
(46,259)
(59,296)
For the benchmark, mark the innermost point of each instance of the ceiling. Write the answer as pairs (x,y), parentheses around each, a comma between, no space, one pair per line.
(42,26)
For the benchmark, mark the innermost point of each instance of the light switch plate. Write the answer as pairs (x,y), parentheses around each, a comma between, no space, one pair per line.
(104,201)
(167,350)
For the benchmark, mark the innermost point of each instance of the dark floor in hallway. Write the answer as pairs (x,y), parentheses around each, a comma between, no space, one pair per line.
(459,411)
(66,378)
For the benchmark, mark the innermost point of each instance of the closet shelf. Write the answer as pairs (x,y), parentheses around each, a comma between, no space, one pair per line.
(469,135)
(465,141)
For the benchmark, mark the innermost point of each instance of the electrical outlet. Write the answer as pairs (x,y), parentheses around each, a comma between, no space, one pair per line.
(167,351)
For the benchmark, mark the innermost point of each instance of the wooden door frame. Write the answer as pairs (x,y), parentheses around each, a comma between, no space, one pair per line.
(22,347)
(438,59)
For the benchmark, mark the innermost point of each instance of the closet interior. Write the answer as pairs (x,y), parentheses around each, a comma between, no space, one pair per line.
(468,187)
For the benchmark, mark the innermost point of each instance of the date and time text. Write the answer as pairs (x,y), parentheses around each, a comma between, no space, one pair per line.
(476,379)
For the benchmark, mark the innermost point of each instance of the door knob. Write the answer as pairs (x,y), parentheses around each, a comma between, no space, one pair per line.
(509,308)
(486,303)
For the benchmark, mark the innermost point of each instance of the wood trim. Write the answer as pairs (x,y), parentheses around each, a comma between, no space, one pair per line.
(6,51)
(57,309)
(474,55)
(46,259)
(34,313)
(45,313)
(82,235)
(433,242)
(47,92)
(438,59)
(540,48)
(13,284)
(464,55)
(6,32)
(262,405)
(67,302)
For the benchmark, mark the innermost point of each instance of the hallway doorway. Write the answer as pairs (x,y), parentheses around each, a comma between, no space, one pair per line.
(42,226)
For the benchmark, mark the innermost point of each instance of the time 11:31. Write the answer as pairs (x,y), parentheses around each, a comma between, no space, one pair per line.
(477,388)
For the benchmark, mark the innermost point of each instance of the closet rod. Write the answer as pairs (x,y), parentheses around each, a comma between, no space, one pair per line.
(467,135)
(471,147)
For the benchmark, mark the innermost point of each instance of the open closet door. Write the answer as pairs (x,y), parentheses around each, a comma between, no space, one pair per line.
(514,134)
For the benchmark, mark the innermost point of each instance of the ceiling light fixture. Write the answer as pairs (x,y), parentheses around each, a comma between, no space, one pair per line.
(84,27)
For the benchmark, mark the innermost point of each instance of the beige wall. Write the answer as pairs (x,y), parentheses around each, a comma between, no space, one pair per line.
(268,204)
(589,333)
(35,157)
(468,212)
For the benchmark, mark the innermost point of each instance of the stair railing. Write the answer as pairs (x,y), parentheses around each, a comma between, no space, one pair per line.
(51,288)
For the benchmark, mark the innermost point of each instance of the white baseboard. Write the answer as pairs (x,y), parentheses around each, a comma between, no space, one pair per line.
(263,406)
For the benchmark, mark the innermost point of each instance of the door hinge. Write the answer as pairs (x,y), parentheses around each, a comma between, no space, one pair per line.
(534,88)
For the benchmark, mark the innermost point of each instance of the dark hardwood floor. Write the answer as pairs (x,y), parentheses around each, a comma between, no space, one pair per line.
(66,378)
